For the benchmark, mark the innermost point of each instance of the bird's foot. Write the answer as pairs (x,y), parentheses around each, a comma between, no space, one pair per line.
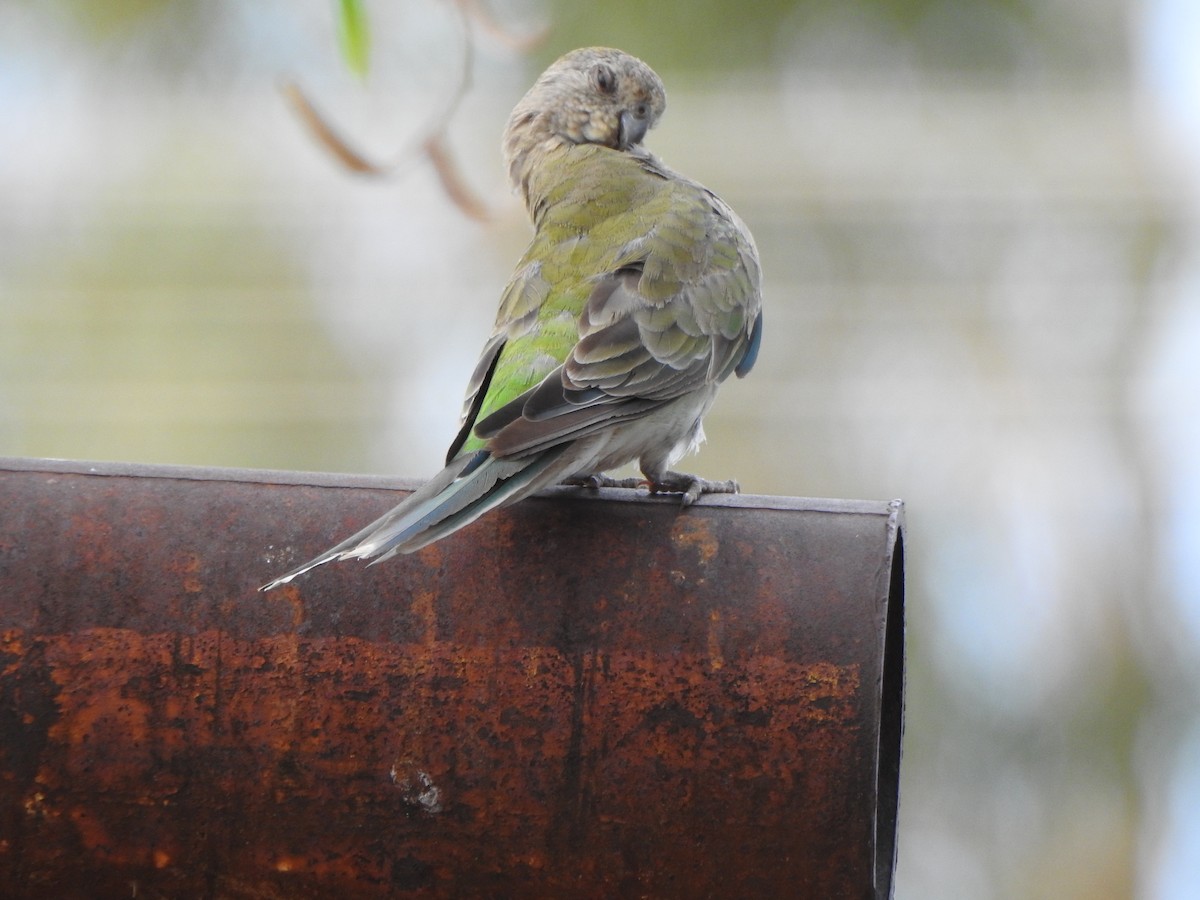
(600,480)
(692,487)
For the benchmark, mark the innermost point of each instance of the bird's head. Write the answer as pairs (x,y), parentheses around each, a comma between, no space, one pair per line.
(595,95)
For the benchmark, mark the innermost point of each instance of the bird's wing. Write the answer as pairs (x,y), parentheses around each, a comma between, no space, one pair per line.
(678,308)
(524,344)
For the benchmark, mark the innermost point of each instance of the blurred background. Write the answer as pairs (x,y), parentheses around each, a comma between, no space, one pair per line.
(979,225)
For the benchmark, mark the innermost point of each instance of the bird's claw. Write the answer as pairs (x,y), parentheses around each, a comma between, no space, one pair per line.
(599,480)
(691,487)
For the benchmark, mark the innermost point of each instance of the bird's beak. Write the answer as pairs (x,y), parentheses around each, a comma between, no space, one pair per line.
(633,129)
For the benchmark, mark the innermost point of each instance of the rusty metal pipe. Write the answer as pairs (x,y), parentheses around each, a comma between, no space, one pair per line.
(586,695)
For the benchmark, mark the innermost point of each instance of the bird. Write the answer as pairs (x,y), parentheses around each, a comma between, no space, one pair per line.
(639,293)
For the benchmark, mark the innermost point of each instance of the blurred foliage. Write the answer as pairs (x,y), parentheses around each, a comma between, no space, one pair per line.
(165,343)
(707,36)
(354,36)
(112,17)
(717,36)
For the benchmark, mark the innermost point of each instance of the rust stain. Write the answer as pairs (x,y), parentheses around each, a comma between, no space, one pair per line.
(485,718)
(716,659)
(464,715)
(188,568)
(425,609)
(696,534)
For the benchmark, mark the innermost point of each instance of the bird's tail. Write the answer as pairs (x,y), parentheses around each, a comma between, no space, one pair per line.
(458,495)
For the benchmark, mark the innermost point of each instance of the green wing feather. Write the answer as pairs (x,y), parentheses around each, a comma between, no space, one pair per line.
(638,286)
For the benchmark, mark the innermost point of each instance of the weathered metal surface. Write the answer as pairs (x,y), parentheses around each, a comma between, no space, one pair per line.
(577,697)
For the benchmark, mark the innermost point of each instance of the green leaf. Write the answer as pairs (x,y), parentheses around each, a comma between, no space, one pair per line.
(354,36)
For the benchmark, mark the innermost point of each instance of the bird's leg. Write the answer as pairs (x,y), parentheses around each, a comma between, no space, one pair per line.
(690,486)
(598,480)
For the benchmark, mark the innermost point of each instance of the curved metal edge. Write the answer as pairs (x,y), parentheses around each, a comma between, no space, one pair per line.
(890,602)
(387,482)
(103,468)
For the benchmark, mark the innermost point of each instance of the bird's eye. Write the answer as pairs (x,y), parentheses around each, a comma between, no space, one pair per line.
(605,79)
(642,111)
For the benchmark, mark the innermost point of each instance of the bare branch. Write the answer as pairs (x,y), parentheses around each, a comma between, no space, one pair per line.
(434,146)
(451,178)
(327,136)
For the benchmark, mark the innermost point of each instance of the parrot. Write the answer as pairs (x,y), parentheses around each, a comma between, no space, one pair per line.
(637,296)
